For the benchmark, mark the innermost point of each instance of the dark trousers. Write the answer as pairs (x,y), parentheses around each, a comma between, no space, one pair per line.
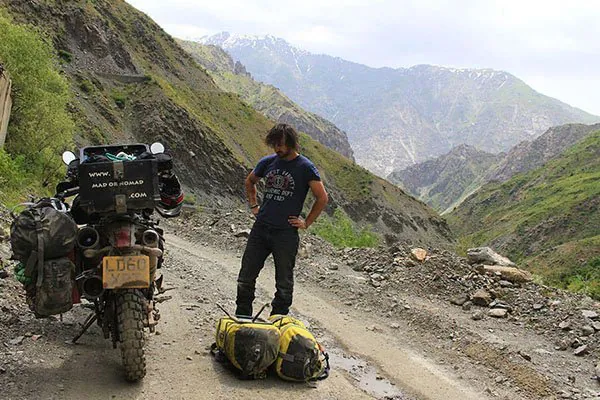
(265,240)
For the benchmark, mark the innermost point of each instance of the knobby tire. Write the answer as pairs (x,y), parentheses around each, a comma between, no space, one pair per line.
(131,305)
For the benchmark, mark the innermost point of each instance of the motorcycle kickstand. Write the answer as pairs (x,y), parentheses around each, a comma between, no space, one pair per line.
(86,325)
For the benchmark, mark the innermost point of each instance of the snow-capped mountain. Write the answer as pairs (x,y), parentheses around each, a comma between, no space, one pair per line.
(398,117)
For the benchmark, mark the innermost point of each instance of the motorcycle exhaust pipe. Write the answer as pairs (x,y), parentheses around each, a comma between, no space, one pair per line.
(88,238)
(92,287)
(150,238)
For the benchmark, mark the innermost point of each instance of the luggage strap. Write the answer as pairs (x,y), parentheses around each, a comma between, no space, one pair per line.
(36,258)
(323,375)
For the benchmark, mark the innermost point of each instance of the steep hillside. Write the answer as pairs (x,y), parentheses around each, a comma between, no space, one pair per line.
(232,77)
(132,82)
(398,117)
(549,210)
(530,155)
(446,180)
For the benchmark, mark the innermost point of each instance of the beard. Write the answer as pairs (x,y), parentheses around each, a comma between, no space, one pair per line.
(282,154)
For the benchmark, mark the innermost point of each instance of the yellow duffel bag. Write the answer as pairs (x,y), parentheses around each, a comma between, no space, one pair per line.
(301,358)
(250,346)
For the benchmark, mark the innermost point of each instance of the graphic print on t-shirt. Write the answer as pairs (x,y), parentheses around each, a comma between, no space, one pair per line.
(280,185)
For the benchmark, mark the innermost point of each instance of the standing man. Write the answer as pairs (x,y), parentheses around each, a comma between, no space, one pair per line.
(288,176)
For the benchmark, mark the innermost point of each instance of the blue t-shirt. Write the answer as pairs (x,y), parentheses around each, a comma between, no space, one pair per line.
(286,188)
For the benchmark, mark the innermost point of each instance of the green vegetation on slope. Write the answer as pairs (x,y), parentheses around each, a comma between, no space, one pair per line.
(352,179)
(340,231)
(40,127)
(535,213)
(574,265)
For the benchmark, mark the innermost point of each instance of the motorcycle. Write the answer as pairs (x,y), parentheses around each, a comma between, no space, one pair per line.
(119,246)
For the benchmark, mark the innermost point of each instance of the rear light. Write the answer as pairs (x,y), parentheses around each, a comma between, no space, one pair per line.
(123,237)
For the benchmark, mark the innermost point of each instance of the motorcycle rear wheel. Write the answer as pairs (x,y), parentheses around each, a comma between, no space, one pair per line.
(130,323)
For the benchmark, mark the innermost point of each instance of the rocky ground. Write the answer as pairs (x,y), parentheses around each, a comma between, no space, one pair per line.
(379,311)
(533,337)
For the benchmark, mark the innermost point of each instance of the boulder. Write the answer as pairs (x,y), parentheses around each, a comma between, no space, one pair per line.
(481,298)
(511,274)
(598,371)
(418,254)
(485,255)
(477,315)
(587,330)
(589,314)
(459,300)
(581,350)
(498,312)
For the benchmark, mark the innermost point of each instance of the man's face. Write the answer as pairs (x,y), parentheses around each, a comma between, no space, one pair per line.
(282,150)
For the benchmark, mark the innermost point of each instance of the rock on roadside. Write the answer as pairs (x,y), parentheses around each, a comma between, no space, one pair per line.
(485,255)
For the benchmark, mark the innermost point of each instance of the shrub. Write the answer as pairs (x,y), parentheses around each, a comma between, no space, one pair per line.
(40,127)
(584,279)
(65,56)
(86,86)
(119,98)
(342,232)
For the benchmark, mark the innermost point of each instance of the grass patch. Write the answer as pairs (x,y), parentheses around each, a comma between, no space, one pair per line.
(65,56)
(340,231)
(119,97)
(581,279)
(189,199)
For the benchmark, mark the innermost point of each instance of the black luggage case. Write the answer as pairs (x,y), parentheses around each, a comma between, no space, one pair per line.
(117,186)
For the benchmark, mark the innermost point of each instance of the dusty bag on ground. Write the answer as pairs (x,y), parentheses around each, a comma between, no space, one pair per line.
(301,358)
(251,347)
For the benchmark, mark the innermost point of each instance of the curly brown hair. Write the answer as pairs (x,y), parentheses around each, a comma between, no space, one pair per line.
(282,131)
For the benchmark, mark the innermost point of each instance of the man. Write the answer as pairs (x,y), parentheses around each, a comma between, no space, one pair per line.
(288,176)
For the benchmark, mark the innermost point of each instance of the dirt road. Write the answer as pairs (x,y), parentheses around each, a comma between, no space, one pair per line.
(375,363)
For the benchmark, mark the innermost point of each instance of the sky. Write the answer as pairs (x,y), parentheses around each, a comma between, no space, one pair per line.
(552,45)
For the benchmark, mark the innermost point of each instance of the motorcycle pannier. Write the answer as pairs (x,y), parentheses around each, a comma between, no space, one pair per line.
(54,296)
(300,357)
(41,239)
(250,346)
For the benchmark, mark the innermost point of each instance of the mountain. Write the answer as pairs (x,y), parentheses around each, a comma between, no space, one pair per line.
(529,155)
(232,77)
(443,182)
(550,210)
(446,180)
(132,82)
(398,117)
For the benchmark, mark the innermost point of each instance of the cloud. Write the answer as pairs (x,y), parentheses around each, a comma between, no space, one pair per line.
(532,39)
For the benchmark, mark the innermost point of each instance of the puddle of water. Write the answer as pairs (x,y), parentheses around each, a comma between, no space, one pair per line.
(366,376)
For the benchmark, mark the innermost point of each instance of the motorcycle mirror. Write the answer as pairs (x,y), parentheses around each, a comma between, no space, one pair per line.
(157,148)
(68,157)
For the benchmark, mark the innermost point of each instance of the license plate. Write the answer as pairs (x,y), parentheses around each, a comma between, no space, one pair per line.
(126,272)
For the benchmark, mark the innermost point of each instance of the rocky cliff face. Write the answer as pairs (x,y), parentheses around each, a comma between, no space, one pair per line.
(232,76)
(398,117)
